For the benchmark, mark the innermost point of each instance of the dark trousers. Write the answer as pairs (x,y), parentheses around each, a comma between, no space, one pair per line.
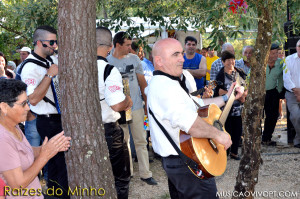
(57,170)
(271,110)
(183,184)
(233,126)
(119,158)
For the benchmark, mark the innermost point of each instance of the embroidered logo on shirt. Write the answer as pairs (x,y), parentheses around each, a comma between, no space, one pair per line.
(114,88)
(30,82)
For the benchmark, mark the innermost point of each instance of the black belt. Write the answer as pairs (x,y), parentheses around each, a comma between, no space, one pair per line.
(49,115)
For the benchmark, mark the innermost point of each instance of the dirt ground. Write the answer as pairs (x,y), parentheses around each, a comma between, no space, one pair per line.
(279,175)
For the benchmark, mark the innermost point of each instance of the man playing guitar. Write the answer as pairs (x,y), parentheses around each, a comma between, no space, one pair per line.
(175,109)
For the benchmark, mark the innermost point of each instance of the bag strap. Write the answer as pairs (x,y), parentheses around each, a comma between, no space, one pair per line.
(107,71)
(37,62)
(188,161)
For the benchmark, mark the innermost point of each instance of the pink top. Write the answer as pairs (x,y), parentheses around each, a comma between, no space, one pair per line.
(2,185)
(13,154)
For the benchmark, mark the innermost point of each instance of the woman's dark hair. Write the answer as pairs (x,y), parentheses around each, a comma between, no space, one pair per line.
(10,89)
(227,55)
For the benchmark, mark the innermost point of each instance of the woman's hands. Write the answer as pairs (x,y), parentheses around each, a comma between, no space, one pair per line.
(56,144)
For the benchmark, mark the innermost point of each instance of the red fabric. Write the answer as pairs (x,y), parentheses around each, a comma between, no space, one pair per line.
(2,185)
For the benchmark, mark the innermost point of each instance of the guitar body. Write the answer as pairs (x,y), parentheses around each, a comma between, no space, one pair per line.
(212,161)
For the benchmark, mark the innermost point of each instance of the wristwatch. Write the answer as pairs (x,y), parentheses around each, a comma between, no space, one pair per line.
(49,76)
(225,98)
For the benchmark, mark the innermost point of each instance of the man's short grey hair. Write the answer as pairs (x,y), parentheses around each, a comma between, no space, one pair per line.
(245,47)
(225,46)
(298,43)
(103,36)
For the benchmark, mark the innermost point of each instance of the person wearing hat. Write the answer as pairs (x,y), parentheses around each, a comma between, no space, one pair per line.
(274,86)
(24,53)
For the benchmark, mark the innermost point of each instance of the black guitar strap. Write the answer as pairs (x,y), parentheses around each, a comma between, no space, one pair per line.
(188,161)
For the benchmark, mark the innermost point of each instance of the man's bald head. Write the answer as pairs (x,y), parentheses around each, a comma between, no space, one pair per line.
(168,56)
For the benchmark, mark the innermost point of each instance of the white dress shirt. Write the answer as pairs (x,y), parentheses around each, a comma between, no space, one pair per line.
(291,72)
(32,74)
(173,108)
(110,91)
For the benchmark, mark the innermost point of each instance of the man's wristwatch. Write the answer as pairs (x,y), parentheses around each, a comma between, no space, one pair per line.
(225,98)
(49,76)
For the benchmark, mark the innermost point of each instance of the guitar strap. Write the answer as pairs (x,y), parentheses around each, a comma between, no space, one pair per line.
(188,161)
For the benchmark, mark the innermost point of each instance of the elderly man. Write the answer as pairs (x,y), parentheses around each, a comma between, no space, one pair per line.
(291,78)
(175,110)
(245,63)
(274,85)
(217,65)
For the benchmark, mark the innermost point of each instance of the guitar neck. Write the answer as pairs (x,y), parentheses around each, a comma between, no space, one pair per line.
(229,103)
(227,108)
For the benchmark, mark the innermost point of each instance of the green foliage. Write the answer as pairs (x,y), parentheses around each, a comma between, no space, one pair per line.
(19,18)
(198,15)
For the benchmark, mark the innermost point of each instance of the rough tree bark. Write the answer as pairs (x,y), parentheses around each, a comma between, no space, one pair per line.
(87,160)
(251,159)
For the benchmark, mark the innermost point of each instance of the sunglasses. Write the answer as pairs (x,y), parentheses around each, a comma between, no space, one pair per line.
(23,104)
(51,42)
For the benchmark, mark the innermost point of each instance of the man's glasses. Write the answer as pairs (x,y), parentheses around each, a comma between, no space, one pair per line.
(23,104)
(51,42)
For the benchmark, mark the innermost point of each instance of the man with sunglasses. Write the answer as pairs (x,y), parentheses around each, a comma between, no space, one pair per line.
(40,75)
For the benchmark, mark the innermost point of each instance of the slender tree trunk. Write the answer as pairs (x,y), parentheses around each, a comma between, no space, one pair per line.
(87,160)
(251,159)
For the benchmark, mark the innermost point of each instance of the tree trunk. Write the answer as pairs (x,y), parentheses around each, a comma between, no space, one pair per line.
(251,158)
(88,159)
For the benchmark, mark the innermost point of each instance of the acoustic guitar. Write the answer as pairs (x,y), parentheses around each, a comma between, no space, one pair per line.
(210,156)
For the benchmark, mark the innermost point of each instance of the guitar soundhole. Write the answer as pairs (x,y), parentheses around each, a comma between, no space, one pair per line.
(218,125)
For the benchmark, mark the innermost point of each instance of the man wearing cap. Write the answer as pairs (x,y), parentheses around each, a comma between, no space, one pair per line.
(291,74)
(24,53)
(274,85)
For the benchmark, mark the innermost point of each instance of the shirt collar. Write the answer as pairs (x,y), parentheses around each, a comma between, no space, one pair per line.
(41,58)
(296,56)
(101,58)
(181,80)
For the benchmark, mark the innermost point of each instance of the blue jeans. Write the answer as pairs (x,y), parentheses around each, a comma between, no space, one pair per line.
(31,133)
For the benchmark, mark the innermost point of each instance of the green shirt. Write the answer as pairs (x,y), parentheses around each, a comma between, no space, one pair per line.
(274,76)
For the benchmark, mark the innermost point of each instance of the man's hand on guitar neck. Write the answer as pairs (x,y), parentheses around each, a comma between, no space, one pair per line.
(219,100)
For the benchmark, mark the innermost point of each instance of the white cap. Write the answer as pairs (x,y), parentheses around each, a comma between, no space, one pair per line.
(26,49)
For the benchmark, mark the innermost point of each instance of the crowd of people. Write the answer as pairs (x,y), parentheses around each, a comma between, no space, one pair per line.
(160,88)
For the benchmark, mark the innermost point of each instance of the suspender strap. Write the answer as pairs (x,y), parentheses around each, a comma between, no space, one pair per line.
(188,161)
